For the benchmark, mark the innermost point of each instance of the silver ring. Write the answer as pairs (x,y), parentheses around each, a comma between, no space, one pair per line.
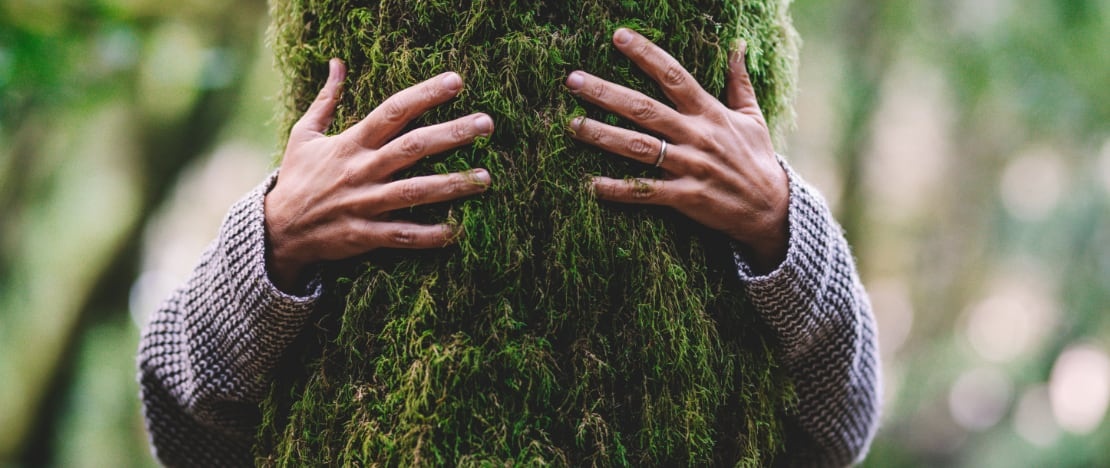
(662,153)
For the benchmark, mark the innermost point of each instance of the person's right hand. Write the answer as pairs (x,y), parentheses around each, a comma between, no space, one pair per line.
(334,193)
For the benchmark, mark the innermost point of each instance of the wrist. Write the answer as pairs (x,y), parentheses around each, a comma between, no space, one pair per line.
(766,256)
(767,246)
(283,266)
(285,274)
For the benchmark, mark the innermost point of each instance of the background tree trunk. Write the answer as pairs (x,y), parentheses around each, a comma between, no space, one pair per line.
(560,329)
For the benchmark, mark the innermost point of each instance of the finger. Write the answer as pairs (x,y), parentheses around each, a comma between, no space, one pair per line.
(741,94)
(630,144)
(385,121)
(397,235)
(638,191)
(677,83)
(642,110)
(322,111)
(412,146)
(424,190)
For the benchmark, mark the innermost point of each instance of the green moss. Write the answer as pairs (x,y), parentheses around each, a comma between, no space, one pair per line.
(560,330)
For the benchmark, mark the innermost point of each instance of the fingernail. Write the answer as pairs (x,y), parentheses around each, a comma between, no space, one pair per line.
(622,36)
(595,184)
(482,176)
(336,71)
(452,234)
(483,125)
(738,54)
(575,81)
(576,123)
(452,81)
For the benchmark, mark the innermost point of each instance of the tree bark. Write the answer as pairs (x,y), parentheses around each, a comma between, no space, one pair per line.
(560,330)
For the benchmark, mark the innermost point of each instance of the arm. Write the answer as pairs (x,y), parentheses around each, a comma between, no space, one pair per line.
(822,318)
(206,356)
(205,352)
(719,168)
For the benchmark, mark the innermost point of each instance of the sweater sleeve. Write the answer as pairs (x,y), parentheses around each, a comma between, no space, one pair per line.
(206,352)
(818,309)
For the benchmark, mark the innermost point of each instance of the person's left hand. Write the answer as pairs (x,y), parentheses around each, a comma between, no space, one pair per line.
(719,164)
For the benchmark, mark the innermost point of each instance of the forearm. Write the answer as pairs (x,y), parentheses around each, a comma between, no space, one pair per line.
(205,352)
(822,318)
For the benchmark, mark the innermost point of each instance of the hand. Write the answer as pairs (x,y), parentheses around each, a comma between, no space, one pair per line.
(720,167)
(334,194)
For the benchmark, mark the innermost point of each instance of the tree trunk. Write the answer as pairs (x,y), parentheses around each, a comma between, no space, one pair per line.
(560,330)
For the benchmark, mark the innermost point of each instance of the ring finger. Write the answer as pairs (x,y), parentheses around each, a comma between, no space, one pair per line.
(634,145)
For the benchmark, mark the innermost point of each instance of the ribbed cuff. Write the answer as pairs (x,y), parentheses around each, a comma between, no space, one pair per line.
(787,297)
(273,317)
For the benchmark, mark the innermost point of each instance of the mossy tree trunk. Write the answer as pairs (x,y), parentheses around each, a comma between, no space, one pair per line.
(560,330)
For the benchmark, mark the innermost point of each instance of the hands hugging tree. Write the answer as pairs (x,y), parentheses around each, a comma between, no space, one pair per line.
(571,322)
(693,303)
(336,192)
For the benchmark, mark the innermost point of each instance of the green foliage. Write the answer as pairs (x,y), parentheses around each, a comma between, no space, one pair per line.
(559,330)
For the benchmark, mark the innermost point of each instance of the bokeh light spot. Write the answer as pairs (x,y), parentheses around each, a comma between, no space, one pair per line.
(979,398)
(1033,183)
(1080,388)
(1013,320)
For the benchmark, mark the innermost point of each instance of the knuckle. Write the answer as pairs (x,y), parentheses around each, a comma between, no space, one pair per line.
(394,110)
(643,109)
(408,237)
(349,177)
(642,191)
(460,131)
(714,146)
(463,183)
(704,139)
(411,193)
(402,237)
(355,237)
(674,75)
(411,146)
(640,146)
(594,133)
(599,91)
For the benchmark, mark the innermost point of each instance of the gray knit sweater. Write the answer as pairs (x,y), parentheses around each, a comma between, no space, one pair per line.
(206,353)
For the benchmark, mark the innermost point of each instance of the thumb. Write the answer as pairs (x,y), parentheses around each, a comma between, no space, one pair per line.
(741,95)
(322,111)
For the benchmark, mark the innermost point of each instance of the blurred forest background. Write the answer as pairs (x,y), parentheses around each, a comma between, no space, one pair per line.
(964,144)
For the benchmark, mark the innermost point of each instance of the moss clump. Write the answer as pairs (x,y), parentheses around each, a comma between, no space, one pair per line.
(560,330)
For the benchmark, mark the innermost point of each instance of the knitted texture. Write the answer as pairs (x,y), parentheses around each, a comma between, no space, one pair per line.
(816,306)
(207,353)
